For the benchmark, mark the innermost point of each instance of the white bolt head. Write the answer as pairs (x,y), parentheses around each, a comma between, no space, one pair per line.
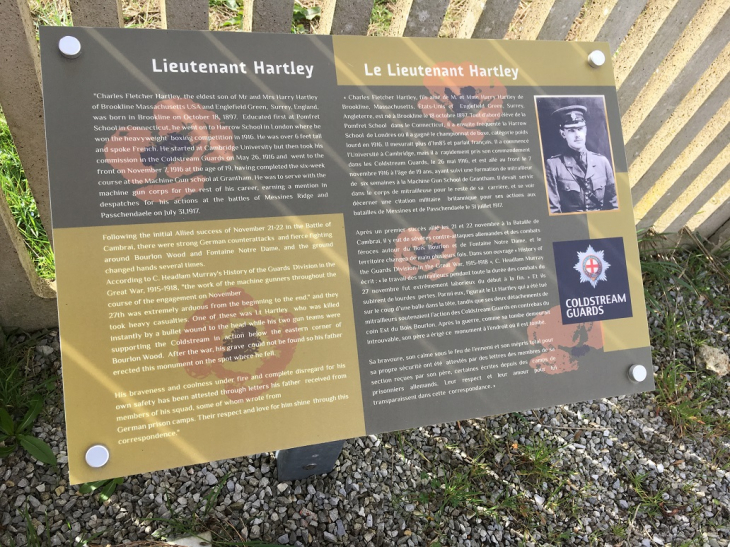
(637,373)
(596,58)
(69,46)
(97,456)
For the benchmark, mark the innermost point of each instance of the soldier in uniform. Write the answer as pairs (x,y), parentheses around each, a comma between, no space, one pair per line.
(578,180)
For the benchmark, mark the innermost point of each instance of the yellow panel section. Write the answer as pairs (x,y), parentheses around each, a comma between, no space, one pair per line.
(368,61)
(189,342)
(630,332)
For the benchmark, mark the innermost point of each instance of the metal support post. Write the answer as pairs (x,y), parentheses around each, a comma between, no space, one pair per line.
(299,463)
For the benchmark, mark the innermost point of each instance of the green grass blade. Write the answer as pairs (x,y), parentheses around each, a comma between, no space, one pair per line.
(107,490)
(89,487)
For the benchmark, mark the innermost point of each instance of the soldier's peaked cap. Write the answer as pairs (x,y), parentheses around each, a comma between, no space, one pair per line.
(572,115)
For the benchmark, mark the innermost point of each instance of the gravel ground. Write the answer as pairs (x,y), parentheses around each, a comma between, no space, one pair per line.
(607,472)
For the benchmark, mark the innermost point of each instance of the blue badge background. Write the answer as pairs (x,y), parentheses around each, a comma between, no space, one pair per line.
(569,285)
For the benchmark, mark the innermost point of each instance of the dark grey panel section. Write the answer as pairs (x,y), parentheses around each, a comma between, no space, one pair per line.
(97,13)
(699,202)
(425,18)
(185,14)
(560,19)
(352,17)
(598,375)
(622,17)
(690,130)
(495,19)
(686,178)
(656,51)
(75,145)
(272,15)
(679,88)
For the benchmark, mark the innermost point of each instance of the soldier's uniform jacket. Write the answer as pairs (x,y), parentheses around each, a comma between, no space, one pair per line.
(571,189)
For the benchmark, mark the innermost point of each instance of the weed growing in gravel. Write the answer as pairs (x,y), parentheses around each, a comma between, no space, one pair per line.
(200,518)
(652,498)
(15,434)
(535,462)
(650,502)
(18,384)
(676,394)
(381,17)
(456,490)
(34,538)
(619,531)
(106,487)
(721,458)
(22,396)
(82,540)
(686,290)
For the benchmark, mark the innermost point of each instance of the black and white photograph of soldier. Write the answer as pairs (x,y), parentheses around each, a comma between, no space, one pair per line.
(577,153)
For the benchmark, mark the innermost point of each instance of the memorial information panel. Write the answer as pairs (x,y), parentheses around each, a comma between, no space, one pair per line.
(269,241)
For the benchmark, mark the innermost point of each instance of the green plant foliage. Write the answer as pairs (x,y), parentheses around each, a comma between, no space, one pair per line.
(14,434)
(22,400)
(455,491)
(302,16)
(22,205)
(233,5)
(650,500)
(194,519)
(381,18)
(685,396)
(535,462)
(33,539)
(680,284)
(105,487)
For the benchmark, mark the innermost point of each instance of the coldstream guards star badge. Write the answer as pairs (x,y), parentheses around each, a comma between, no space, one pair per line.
(591,266)
(595,297)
